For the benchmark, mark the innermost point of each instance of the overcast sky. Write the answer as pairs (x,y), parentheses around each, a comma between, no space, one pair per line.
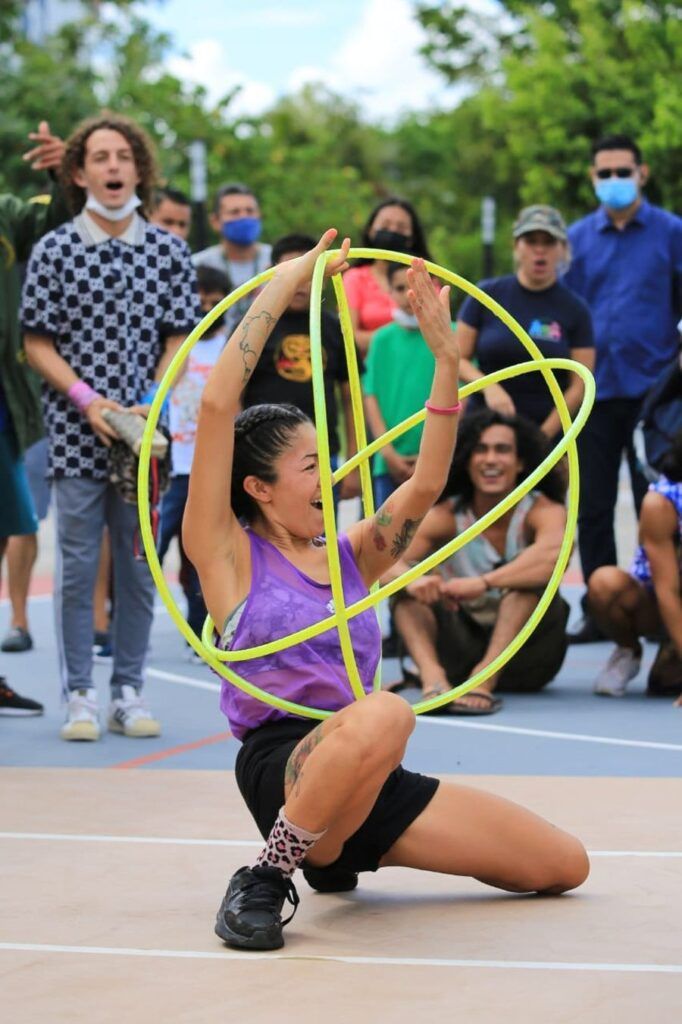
(364,49)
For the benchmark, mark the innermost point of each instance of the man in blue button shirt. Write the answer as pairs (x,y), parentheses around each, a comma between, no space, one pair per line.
(627,265)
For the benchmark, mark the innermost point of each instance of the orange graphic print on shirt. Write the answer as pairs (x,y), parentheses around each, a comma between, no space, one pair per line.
(292,358)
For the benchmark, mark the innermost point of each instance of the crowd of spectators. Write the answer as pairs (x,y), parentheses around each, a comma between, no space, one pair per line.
(110,291)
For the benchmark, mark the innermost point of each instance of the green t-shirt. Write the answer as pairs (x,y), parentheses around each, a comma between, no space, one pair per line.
(399,370)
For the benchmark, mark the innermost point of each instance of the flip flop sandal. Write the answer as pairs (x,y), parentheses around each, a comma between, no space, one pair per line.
(493,704)
(435,691)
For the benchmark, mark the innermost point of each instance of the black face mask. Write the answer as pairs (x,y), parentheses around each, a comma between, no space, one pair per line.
(394,241)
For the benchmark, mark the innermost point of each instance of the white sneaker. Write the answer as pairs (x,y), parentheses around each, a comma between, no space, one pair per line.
(82,722)
(622,666)
(130,715)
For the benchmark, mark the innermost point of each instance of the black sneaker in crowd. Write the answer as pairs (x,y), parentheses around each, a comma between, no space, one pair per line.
(17,641)
(101,647)
(12,704)
(250,916)
(586,632)
(331,879)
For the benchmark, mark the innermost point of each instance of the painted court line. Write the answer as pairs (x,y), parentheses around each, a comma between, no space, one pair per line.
(161,755)
(71,837)
(549,734)
(174,677)
(161,840)
(365,961)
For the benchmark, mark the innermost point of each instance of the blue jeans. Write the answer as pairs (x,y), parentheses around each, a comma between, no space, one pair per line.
(383,486)
(172,510)
(83,508)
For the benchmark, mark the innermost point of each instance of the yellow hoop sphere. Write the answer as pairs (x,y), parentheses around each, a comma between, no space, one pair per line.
(216,658)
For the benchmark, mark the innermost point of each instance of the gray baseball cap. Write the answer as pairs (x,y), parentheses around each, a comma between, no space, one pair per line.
(540,218)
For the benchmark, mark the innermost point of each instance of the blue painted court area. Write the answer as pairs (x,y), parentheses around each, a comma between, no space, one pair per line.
(564,730)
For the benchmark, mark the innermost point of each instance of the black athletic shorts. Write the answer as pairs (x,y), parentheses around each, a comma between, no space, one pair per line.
(260,776)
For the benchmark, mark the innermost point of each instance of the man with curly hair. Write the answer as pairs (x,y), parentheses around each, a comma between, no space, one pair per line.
(107,301)
(456,620)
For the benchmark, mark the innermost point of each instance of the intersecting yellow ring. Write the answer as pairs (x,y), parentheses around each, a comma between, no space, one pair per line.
(206,648)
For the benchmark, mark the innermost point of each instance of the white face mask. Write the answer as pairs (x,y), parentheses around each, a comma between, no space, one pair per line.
(407,320)
(113,215)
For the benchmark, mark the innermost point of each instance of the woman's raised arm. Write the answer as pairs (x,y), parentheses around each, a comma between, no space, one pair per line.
(380,541)
(210,528)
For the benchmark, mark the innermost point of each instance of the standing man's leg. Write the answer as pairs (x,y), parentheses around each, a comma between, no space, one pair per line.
(103,602)
(132,621)
(638,481)
(21,557)
(22,548)
(79,504)
(600,448)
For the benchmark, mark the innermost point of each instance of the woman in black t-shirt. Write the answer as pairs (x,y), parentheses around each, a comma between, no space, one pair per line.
(556,319)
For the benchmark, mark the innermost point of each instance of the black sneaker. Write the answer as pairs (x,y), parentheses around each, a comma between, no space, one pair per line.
(101,647)
(17,641)
(586,632)
(331,879)
(250,914)
(12,704)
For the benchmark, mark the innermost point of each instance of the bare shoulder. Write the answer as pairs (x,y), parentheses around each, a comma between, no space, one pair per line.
(545,514)
(658,517)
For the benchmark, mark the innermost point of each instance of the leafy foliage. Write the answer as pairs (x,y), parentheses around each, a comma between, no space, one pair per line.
(544,80)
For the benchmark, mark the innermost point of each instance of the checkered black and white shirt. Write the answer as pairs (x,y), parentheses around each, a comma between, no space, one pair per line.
(108,304)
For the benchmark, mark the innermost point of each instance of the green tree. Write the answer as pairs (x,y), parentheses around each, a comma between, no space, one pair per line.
(573,71)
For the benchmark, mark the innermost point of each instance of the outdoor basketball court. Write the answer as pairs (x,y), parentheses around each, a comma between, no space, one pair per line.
(116,855)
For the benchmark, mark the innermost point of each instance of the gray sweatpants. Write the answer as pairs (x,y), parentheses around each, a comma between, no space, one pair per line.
(83,508)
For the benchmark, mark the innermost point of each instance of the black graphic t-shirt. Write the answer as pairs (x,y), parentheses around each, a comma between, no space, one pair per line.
(556,319)
(284,371)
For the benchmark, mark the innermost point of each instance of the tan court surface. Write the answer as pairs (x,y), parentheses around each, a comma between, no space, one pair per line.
(98,926)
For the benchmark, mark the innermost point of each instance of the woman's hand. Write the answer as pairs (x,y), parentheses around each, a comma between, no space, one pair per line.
(295,273)
(498,399)
(432,311)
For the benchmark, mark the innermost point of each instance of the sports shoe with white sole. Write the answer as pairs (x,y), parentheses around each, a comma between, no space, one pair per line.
(82,721)
(622,666)
(129,715)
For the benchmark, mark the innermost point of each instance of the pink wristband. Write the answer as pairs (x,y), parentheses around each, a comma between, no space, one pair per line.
(451,410)
(82,395)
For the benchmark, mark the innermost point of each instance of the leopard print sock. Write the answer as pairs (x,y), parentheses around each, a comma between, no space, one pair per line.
(286,845)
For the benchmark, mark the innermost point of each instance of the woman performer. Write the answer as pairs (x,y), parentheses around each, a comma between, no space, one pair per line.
(331,796)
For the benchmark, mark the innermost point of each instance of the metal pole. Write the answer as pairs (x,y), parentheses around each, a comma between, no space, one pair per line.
(198,191)
(488,235)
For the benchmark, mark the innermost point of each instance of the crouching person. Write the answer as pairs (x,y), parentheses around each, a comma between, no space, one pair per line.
(458,619)
(646,600)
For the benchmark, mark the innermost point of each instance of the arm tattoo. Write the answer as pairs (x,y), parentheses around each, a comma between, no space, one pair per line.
(249,355)
(383,518)
(401,540)
(293,773)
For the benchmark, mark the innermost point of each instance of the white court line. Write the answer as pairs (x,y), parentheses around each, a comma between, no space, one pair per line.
(365,961)
(173,677)
(71,837)
(549,734)
(161,840)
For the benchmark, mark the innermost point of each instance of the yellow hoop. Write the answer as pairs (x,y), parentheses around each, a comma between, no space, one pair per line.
(216,658)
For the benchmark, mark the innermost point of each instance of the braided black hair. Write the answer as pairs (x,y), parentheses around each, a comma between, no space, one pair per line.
(261,434)
(531,447)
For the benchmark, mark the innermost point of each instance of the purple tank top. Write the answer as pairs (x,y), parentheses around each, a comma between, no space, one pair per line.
(281,601)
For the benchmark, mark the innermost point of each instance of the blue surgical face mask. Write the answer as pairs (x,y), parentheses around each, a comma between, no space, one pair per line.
(616,193)
(242,231)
